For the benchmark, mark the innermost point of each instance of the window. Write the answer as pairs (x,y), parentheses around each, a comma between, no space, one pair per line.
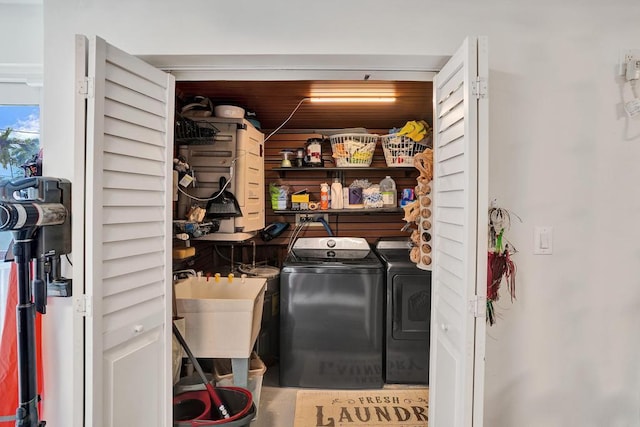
(19,147)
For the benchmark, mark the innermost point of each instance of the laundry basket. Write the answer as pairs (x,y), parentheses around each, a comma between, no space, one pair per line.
(400,149)
(353,149)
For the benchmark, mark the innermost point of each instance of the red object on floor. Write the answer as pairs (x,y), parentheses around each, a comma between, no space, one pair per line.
(9,352)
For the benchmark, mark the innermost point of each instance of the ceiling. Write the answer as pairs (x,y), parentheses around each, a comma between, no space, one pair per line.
(274,101)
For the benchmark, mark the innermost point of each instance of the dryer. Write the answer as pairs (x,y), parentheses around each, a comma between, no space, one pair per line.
(408,314)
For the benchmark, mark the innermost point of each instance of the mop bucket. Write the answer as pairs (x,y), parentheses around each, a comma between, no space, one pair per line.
(194,408)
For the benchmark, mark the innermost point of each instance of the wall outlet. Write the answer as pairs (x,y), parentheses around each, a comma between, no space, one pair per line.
(311,219)
(627,56)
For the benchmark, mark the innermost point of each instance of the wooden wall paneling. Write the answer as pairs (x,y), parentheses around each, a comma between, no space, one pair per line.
(215,257)
(273,101)
(212,257)
(360,224)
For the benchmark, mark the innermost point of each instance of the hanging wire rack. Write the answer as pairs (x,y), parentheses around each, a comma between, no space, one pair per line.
(188,131)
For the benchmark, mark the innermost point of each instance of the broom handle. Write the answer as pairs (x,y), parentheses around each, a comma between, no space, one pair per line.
(212,393)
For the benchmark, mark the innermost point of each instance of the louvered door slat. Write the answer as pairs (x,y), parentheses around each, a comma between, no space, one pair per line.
(453,147)
(131,214)
(135,99)
(132,73)
(130,281)
(122,266)
(125,197)
(115,179)
(114,144)
(127,248)
(130,131)
(133,165)
(451,118)
(112,233)
(126,113)
(122,319)
(135,296)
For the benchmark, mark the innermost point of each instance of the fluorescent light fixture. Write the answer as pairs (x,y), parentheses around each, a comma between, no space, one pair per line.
(363,99)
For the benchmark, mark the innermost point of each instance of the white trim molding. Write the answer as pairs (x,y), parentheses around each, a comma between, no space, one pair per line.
(29,74)
(298,67)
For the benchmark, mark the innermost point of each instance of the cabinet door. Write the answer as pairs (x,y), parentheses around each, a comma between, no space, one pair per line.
(127,245)
(250,179)
(459,239)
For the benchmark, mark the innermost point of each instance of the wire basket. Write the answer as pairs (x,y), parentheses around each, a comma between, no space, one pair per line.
(353,149)
(400,149)
(189,131)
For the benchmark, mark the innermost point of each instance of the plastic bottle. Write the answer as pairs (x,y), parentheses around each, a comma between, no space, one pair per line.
(336,195)
(389,192)
(324,196)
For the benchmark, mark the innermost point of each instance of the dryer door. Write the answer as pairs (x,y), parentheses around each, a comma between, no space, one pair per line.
(411,306)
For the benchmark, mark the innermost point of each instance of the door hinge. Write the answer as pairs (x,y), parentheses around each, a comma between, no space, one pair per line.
(480,87)
(478,306)
(85,87)
(84,305)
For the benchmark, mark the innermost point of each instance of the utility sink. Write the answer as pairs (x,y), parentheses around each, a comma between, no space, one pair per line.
(222,316)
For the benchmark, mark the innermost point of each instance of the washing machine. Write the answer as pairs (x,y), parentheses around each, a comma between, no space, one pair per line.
(331,315)
(408,314)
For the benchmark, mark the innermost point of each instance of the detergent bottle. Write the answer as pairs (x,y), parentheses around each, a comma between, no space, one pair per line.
(324,196)
(389,192)
(336,195)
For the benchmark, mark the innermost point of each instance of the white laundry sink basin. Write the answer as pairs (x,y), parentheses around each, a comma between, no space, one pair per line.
(222,319)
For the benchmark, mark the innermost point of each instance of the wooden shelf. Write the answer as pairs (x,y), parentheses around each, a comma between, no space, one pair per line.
(340,171)
(334,168)
(361,211)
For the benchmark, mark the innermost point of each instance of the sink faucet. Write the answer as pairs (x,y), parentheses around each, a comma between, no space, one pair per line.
(185,273)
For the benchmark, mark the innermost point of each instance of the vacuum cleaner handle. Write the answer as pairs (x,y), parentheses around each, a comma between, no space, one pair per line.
(224,412)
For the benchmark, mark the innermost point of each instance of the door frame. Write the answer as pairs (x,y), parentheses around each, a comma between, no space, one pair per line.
(298,67)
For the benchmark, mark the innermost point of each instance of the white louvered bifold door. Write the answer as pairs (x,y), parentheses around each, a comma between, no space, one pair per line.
(459,239)
(129,150)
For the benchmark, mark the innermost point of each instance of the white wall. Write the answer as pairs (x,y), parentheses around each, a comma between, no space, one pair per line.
(566,353)
(21,27)
(21,52)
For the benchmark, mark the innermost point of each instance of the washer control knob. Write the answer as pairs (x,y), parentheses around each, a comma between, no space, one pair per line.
(331,243)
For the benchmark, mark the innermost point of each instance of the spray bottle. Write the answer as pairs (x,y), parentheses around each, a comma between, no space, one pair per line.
(324,196)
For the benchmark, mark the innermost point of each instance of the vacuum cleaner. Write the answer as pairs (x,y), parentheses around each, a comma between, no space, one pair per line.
(36,210)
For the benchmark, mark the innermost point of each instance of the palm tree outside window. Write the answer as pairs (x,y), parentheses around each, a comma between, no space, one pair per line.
(19,148)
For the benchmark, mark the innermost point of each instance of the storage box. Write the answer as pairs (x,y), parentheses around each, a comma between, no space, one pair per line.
(222,319)
(300,198)
(224,376)
(300,201)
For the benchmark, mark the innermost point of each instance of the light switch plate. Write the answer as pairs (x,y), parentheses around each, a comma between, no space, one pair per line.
(543,240)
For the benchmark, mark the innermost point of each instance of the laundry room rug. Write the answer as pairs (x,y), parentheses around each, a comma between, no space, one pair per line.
(360,408)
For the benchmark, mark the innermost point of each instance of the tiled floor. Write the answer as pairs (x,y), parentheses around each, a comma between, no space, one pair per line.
(277,404)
